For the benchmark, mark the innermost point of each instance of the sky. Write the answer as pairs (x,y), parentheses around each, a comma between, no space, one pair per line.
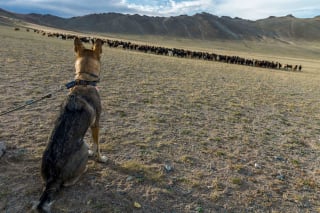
(246,9)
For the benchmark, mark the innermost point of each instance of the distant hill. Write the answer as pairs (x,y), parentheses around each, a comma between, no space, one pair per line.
(200,26)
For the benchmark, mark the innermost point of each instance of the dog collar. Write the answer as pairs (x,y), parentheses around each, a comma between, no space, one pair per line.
(78,82)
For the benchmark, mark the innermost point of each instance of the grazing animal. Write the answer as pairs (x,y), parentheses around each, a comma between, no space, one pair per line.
(65,157)
(288,66)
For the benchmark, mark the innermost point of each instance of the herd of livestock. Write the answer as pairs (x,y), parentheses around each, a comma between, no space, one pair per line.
(179,52)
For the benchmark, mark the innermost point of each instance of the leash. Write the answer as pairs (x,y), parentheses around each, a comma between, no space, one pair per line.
(68,85)
(30,102)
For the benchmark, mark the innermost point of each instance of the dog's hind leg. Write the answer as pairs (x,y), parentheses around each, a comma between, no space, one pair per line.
(76,166)
(96,147)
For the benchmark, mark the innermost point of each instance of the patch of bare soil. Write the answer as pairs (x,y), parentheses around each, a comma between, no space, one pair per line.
(181,135)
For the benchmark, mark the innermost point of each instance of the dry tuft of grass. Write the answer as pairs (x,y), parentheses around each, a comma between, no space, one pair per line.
(143,172)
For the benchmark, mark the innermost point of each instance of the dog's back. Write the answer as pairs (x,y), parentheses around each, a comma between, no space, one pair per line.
(66,155)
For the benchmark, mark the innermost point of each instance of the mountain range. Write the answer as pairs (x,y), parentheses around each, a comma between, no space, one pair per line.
(199,26)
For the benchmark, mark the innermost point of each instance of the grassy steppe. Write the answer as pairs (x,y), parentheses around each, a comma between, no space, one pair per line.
(181,135)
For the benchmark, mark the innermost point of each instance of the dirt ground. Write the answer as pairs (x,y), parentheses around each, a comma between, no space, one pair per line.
(181,135)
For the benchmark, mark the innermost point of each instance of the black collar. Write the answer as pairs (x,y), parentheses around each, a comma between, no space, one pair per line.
(78,82)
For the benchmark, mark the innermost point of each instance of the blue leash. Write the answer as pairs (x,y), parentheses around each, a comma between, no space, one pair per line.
(68,85)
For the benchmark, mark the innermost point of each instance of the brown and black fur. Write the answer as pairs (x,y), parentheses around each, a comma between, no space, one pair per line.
(65,157)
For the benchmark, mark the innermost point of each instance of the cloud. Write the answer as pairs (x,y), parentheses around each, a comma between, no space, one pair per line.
(169,7)
(248,9)
(65,8)
(81,7)
(264,8)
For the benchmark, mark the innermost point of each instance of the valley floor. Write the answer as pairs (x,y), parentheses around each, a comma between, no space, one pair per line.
(181,135)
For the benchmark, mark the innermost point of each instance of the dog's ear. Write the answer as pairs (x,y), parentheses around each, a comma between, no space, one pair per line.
(97,47)
(78,46)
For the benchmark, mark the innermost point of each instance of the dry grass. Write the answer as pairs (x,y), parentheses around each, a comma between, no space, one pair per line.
(238,139)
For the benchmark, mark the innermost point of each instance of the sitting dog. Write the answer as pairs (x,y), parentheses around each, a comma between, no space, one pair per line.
(65,157)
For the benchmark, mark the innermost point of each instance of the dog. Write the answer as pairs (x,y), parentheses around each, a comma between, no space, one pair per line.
(65,157)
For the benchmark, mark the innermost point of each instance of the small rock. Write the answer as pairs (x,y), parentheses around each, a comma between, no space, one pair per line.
(257,166)
(281,177)
(2,148)
(129,178)
(168,168)
(279,158)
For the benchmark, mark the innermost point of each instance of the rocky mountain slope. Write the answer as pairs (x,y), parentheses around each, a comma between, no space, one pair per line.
(199,26)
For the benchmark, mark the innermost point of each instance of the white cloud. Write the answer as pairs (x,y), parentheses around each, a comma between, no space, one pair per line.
(261,9)
(169,7)
(249,9)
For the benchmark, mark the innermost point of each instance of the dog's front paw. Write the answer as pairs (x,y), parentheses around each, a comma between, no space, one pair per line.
(102,159)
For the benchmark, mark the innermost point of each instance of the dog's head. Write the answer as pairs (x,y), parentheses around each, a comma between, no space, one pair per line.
(87,60)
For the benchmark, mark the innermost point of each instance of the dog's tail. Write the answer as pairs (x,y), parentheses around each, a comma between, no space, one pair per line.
(48,195)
